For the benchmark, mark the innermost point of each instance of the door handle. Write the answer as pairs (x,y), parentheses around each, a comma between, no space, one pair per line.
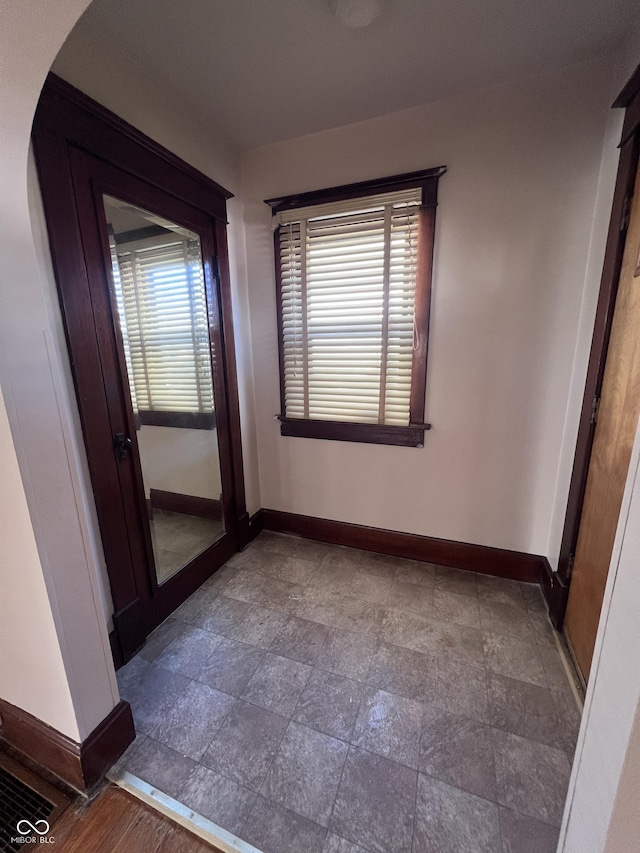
(122,445)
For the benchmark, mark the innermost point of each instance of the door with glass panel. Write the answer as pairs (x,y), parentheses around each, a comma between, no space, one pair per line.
(167,491)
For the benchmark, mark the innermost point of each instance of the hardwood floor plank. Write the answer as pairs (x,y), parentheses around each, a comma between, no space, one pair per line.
(116,822)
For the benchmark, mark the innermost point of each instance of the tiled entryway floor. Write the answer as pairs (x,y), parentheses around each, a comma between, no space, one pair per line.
(318,699)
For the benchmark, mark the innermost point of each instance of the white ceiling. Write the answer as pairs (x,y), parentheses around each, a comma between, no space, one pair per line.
(266,70)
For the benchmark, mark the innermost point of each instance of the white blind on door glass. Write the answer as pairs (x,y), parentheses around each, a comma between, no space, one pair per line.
(348,280)
(163,316)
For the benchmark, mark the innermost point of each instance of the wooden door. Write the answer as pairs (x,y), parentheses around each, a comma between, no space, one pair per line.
(138,244)
(617,419)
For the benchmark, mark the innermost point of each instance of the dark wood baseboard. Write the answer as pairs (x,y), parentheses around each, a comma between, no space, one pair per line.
(556,593)
(116,649)
(185,504)
(82,766)
(515,565)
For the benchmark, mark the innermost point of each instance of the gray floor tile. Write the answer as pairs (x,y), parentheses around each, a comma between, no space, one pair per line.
(162,767)
(347,654)
(245,744)
(452,821)
(158,641)
(306,549)
(334,844)
(554,670)
(188,726)
(221,577)
(259,627)
(154,690)
(452,607)
(381,565)
(231,666)
(321,605)
(533,598)
(339,556)
(274,829)
(532,778)
(543,632)
(305,773)
(254,588)
(462,690)
(361,617)
(500,590)
(506,619)
(264,561)
(370,588)
(217,798)
(458,751)
(375,803)
(411,596)
(329,703)
(523,834)
(277,684)
(456,580)
(301,640)
(223,615)
(196,606)
(569,718)
(187,653)
(456,642)
(513,658)
(335,579)
(525,709)
(295,570)
(403,671)
(414,572)
(389,725)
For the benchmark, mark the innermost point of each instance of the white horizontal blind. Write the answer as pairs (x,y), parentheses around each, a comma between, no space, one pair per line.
(163,316)
(348,279)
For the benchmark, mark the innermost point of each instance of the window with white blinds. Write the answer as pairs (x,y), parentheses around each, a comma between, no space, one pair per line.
(162,306)
(348,275)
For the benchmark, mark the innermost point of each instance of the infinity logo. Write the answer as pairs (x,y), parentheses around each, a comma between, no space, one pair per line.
(31,827)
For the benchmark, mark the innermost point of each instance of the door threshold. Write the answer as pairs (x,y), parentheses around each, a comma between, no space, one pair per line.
(205,829)
(578,687)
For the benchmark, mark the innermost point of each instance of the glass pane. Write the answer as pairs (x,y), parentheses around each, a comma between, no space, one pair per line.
(160,295)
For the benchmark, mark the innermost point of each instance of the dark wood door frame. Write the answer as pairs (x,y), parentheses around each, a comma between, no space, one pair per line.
(69,126)
(556,584)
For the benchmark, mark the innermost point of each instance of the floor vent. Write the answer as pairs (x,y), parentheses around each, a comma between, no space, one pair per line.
(28,806)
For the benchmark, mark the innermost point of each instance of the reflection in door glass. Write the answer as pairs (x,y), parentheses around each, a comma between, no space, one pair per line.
(160,295)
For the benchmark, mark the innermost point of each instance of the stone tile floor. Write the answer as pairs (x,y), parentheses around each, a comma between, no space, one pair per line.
(318,699)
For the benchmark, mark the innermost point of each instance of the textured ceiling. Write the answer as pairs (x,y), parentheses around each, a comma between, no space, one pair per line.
(266,70)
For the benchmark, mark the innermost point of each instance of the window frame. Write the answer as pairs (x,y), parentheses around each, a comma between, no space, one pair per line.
(411,435)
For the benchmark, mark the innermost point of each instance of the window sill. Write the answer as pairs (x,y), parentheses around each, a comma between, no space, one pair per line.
(409,436)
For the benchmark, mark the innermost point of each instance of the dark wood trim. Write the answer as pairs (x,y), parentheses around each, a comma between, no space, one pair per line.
(557,590)
(82,766)
(186,504)
(178,420)
(256,525)
(116,649)
(629,99)
(515,565)
(422,310)
(64,108)
(411,436)
(427,179)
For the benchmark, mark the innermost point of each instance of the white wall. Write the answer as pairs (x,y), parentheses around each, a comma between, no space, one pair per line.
(32,674)
(65,623)
(514,230)
(180,460)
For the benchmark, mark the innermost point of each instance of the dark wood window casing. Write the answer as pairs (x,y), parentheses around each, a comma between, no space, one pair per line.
(411,434)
